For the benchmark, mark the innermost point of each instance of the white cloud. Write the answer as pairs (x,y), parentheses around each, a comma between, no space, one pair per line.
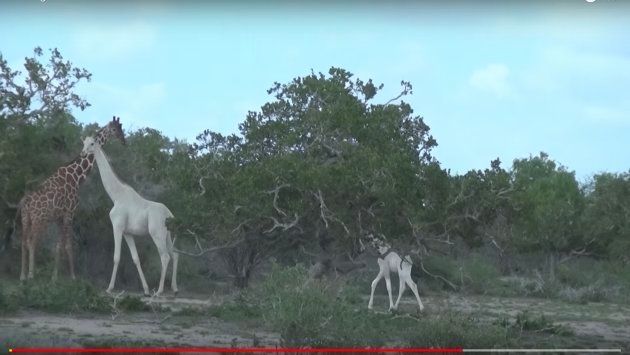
(115,41)
(492,79)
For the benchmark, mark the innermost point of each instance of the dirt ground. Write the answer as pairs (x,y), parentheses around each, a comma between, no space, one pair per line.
(598,324)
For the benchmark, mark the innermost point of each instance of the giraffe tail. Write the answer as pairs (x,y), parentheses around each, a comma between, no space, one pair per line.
(407,259)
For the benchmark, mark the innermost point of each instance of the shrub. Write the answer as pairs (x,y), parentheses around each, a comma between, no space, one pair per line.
(481,274)
(457,330)
(132,304)
(527,321)
(439,266)
(311,313)
(62,296)
(7,304)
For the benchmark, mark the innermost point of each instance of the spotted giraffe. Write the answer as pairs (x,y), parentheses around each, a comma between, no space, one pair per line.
(56,200)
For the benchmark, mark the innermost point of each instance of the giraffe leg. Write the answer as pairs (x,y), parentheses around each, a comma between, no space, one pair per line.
(374,284)
(401,287)
(414,289)
(175,256)
(36,231)
(117,241)
(159,238)
(164,258)
(57,253)
(31,256)
(24,242)
(68,240)
(388,283)
(136,260)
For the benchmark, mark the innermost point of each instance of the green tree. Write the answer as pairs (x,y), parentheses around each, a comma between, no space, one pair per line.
(606,221)
(37,132)
(315,169)
(548,203)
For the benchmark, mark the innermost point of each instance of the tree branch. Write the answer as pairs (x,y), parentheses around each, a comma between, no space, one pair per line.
(275,193)
(437,276)
(203,251)
(284,226)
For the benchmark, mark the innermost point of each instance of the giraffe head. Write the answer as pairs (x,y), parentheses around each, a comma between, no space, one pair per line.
(377,242)
(90,144)
(113,129)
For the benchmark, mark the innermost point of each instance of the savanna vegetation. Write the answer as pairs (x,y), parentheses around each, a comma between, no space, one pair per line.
(275,214)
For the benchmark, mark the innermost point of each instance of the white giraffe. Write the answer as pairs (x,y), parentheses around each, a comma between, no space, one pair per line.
(389,262)
(132,215)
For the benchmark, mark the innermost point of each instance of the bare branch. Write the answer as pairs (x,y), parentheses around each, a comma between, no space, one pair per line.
(284,226)
(323,210)
(307,252)
(494,242)
(203,251)
(210,250)
(326,214)
(403,93)
(275,193)
(203,189)
(240,226)
(437,276)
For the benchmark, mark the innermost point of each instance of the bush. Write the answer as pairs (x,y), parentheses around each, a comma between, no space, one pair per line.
(311,313)
(526,321)
(7,304)
(62,296)
(583,295)
(132,304)
(481,274)
(243,307)
(439,266)
(457,330)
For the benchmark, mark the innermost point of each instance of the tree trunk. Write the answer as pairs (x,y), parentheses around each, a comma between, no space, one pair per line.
(241,281)
(552,266)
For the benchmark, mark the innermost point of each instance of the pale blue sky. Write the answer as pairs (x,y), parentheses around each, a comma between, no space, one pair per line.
(491,78)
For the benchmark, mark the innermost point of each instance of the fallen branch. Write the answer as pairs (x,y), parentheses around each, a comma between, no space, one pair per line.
(438,277)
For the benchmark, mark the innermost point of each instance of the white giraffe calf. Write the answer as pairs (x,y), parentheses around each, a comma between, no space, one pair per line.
(390,262)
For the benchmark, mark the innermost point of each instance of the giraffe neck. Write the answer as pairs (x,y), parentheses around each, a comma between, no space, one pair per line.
(113,186)
(103,135)
(74,173)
